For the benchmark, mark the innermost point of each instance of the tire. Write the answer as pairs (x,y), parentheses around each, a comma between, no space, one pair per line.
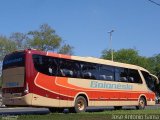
(55,110)
(141,104)
(117,107)
(80,105)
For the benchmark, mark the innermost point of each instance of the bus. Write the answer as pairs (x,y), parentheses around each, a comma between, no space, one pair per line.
(56,81)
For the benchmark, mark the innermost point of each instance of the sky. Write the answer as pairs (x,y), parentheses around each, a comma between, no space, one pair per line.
(84,24)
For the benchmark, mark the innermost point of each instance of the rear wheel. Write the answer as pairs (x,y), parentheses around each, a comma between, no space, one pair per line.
(141,104)
(80,105)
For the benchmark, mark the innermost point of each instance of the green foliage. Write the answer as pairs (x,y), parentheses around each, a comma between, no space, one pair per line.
(123,55)
(19,39)
(6,46)
(155,64)
(45,38)
(106,54)
(66,49)
(130,56)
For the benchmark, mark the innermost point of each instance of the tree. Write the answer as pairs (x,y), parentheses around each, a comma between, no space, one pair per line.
(106,54)
(130,56)
(155,64)
(20,39)
(46,39)
(66,49)
(6,46)
(122,55)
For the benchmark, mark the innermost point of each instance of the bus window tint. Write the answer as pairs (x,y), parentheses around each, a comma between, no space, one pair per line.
(89,70)
(69,68)
(16,59)
(134,76)
(149,81)
(85,70)
(106,73)
(52,66)
(121,74)
(45,65)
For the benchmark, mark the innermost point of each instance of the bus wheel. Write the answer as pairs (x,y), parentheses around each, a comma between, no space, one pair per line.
(80,105)
(141,104)
(55,110)
(117,107)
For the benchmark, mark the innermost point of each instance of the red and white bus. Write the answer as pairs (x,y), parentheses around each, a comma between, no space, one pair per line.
(46,79)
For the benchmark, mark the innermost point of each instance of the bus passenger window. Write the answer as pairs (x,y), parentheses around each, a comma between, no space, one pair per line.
(45,64)
(106,73)
(87,75)
(89,70)
(121,74)
(52,66)
(123,79)
(66,72)
(104,77)
(69,68)
(131,79)
(134,76)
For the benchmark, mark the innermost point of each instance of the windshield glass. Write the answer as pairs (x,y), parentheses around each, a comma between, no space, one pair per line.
(14,60)
(13,72)
(150,81)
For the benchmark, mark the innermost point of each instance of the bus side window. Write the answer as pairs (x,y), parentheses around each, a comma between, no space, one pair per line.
(65,68)
(131,79)
(88,70)
(106,73)
(134,76)
(52,66)
(69,68)
(45,64)
(121,74)
(40,64)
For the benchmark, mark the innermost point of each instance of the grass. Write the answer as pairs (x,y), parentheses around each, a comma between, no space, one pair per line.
(105,115)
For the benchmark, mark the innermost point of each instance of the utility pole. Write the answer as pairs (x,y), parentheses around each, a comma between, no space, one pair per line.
(110,35)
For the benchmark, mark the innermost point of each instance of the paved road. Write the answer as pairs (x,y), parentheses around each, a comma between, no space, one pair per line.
(30,110)
(23,111)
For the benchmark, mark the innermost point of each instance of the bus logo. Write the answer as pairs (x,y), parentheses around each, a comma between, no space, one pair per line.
(105,85)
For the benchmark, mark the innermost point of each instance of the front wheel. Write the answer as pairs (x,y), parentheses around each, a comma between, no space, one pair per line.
(141,104)
(80,105)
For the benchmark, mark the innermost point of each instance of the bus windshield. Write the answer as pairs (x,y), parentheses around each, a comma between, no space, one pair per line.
(13,70)
(150,81)
(14,60)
